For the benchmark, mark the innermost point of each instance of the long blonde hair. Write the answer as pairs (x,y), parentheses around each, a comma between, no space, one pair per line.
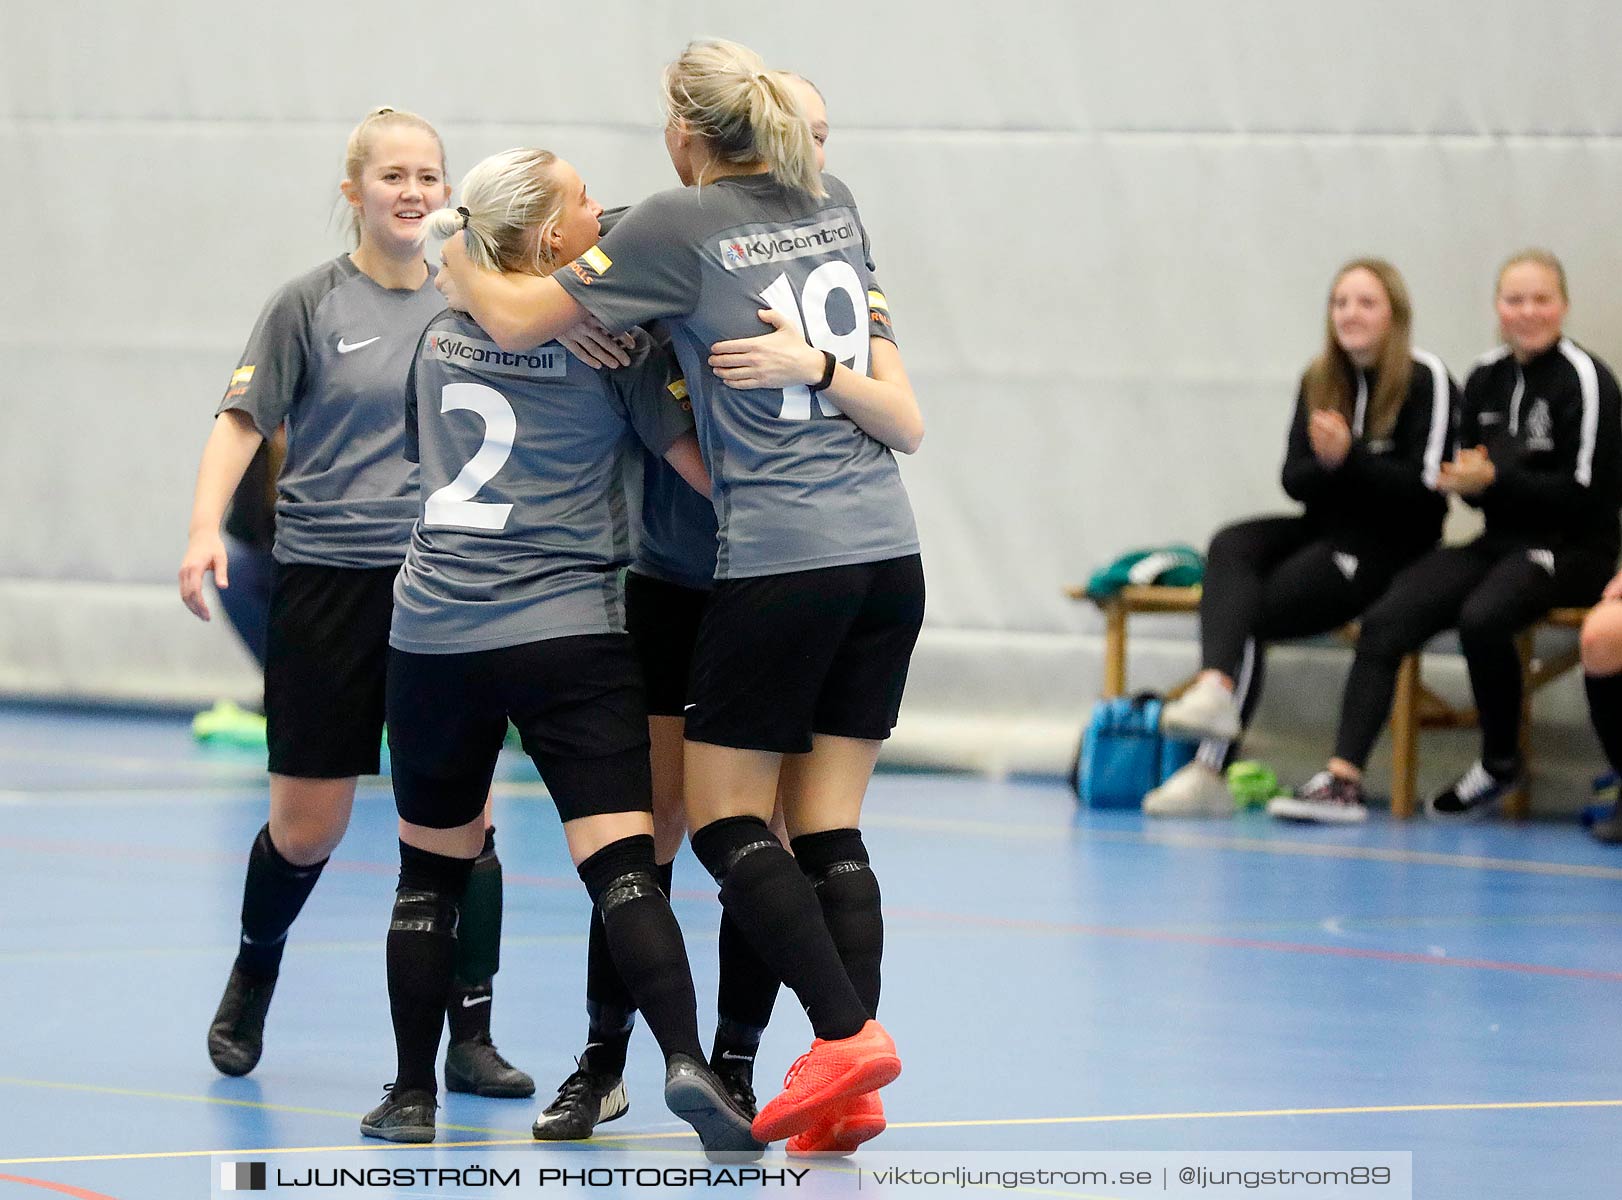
(746,113)
(1328,382)
(510,203)
(358,150)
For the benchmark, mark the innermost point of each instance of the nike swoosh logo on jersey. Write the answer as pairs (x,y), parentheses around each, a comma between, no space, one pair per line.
(348,347)
(474,1001)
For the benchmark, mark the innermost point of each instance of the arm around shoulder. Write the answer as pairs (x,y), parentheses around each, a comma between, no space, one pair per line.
(884,406)
(517,311)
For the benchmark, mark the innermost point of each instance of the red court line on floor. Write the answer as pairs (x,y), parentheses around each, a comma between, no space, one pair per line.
(64,1189)
(115,850)
(1210,939)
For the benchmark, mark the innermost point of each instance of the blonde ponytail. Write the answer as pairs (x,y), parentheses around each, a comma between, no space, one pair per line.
(510,204)
(726,95)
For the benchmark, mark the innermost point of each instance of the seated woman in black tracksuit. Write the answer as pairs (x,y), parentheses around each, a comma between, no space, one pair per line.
(1541,456)
(1370,433)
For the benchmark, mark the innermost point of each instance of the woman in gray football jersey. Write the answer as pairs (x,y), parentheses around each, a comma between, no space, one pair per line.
(804,646)
(329,356)
(666,590)
(509,607)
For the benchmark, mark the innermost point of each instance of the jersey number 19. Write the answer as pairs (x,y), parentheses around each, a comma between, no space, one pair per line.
(849,348)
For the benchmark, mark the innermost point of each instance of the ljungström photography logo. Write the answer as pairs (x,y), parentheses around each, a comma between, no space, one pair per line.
(242,1177)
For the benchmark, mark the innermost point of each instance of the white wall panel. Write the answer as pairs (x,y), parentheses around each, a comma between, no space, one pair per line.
(1294,66)
(1106,230)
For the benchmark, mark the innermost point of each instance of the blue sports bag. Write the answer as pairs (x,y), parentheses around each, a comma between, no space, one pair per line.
(1123,754)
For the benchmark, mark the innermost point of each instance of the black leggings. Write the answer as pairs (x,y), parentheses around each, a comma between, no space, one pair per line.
(1271,579)
(1489,591)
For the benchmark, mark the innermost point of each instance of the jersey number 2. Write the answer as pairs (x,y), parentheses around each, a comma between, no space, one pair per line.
(851,348)
(454,504)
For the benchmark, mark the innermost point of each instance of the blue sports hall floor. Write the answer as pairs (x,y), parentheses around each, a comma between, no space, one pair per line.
(1056,980)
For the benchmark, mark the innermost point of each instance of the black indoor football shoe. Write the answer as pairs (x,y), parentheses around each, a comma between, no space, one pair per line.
(585,1100)
(697,1095)
(476,1066)
(406,1115)
(236,1036)
(740,1085)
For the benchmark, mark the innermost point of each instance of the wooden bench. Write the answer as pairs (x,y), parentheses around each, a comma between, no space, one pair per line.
(1414,707)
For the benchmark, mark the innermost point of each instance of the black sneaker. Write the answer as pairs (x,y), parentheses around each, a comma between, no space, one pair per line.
(236,1036)
(585,1101)
(406,1115)
(1325,798)
(1471,796)
(740,1086)
(1608,830)
(698,1096)
(476,1066)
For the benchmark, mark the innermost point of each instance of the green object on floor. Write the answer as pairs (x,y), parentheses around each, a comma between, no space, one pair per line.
(1252,783)
(228,725)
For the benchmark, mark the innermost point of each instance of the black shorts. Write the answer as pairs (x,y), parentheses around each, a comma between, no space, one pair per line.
(662,619)
(781,657)
(326,653)
(577,703)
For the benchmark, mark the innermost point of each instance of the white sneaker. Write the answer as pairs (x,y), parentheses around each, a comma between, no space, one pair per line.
(1325,798)
(1194,791)
(1206,710)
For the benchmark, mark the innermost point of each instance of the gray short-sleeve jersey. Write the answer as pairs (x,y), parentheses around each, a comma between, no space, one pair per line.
(523,522)
(797,484)
(329,355)
(676,537)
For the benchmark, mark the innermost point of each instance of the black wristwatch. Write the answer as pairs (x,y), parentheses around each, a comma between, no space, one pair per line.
(829,362)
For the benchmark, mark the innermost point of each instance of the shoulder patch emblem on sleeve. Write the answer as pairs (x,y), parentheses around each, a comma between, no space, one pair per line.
(240,378)
(875,299)
(597,260)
